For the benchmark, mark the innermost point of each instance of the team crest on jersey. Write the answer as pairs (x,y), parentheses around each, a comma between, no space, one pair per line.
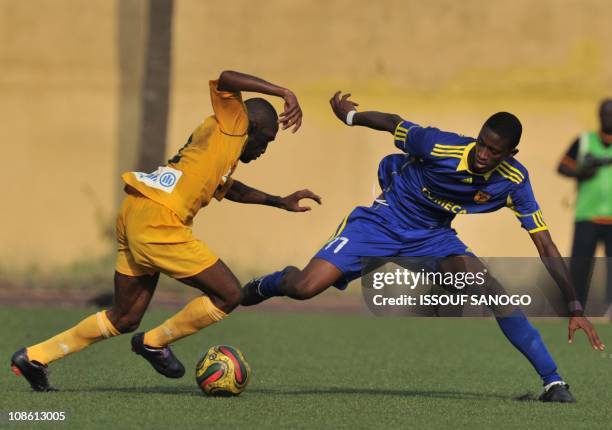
(482,197)
(467,180)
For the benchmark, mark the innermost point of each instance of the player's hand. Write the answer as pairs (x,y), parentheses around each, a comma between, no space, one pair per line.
(576,323)
(292,114)
(292,201)
(341,105)
(587,173)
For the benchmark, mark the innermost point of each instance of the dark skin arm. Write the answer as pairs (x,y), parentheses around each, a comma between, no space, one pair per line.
(242,193)
(571,172)
(558,270)
(568,166)
(341,105)
(236,82)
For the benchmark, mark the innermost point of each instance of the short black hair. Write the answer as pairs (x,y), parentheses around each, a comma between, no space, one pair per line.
(606,104)
(261,111)
(506,126)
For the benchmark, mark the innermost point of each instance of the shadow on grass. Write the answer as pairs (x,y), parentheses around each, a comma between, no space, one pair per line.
(193,391)
(390,392)
(181,391)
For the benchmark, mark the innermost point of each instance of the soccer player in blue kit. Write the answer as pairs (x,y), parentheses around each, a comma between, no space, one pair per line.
(438,175)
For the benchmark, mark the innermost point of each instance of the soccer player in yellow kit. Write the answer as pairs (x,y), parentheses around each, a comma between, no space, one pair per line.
(154,231)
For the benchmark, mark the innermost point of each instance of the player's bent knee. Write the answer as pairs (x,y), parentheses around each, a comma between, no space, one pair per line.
(229,301)
(124,323)
(127,325)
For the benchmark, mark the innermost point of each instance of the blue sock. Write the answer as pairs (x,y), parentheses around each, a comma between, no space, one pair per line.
(527,339)
(269,286)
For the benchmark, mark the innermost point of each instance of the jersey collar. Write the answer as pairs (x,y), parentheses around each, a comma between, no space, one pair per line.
(605,138)
(464,166)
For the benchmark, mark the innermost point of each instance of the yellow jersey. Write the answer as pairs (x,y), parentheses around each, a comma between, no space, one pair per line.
(202,168)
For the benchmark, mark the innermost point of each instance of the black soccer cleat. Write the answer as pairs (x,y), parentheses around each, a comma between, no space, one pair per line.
(162,359)
(558,393)
(251,294)
(35,373)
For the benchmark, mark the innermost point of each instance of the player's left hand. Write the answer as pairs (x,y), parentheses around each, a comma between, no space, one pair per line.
(292,113)
(292,201)
(582,323)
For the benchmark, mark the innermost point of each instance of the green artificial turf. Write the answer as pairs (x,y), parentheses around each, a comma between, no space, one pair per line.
(315,371)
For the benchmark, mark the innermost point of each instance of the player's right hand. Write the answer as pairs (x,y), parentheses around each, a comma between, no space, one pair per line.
(587,172)
(341,105)
(292,201)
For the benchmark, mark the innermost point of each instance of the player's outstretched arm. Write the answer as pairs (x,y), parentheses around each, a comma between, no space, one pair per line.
(242,193)
(558,270)
(346,112)
(236,82)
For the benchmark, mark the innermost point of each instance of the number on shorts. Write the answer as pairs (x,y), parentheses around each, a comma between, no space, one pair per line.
(341,241)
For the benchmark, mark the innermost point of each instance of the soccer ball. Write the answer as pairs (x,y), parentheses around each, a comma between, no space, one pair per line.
(222,371)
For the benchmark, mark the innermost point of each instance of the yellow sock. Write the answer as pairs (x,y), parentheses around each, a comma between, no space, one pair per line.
(90,330)
(196,315)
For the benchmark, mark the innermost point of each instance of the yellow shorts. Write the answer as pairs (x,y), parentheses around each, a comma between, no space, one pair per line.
(152,239)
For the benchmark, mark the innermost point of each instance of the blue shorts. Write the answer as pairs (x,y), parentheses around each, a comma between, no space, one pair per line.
(375,232)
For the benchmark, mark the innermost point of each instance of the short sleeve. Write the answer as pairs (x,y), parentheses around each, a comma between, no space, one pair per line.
(571,156)
(416,140)
(524,205)
(230,111)
(223,188)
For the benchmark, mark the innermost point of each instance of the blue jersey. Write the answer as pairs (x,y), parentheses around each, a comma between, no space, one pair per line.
(423,190)
(431,183)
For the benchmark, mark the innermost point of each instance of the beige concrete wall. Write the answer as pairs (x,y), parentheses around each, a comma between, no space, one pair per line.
(444,63)
(58,99)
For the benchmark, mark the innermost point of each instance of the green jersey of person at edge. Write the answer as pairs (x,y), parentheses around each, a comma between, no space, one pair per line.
(589,161)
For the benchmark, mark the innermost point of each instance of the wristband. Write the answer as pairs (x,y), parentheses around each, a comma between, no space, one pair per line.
(575,306)
(349,117)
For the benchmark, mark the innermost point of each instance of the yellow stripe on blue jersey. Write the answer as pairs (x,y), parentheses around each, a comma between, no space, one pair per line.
(453,151)
(445,154)
(401,133)
(400,128)
(513,170)
(339,229)
(440,146)
(448,150)
(532,222)
(510,173)
(401,136)
(538,220)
